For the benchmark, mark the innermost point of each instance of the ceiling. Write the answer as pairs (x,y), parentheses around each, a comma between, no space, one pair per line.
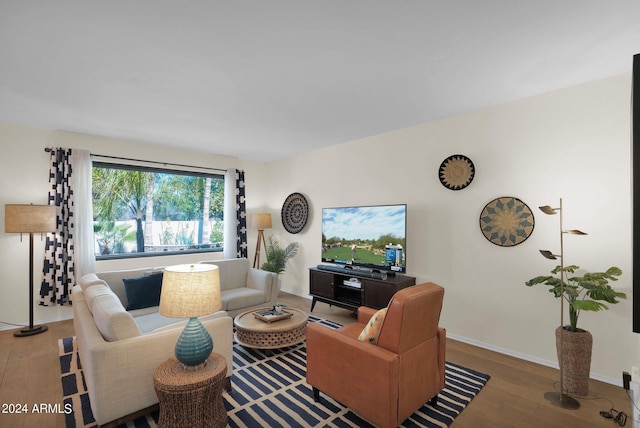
(263,80)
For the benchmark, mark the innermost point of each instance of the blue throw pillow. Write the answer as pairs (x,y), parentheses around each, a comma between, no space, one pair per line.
(144,291)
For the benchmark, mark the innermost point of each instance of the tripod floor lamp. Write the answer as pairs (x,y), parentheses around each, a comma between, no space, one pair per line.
(261,222)
(30,219)
(560,399)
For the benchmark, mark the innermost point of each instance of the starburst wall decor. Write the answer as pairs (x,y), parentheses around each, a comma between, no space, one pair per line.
(506,221)
(456,172)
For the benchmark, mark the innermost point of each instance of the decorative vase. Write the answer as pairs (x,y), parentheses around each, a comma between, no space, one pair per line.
(576,361)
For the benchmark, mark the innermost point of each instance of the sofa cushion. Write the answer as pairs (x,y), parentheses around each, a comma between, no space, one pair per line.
(94,291)
(90,279)
(114,280)
(143,291)
(153,321)
(233,272)
(113,322)
(242,298)
(371,331)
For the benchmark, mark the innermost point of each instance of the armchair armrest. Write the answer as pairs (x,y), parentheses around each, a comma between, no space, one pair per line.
(364,314)
(358,374)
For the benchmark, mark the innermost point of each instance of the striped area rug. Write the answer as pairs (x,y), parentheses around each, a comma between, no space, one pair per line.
(271,391)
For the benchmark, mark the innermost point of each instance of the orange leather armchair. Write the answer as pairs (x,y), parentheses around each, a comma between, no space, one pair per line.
(387,382)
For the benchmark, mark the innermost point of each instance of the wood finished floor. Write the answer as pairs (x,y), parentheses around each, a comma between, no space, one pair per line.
(513,397)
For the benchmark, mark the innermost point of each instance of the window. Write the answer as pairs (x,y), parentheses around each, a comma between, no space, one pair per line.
(149,211)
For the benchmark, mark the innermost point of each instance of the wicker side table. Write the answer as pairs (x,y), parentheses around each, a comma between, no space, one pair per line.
(191,398)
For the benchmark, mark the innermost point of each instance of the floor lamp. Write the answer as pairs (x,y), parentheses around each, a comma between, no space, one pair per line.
(261,222)
(560,398)
(30,219)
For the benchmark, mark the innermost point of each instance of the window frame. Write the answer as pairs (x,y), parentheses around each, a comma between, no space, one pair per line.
(165,170)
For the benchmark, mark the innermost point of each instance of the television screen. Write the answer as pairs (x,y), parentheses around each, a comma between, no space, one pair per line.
(368,236)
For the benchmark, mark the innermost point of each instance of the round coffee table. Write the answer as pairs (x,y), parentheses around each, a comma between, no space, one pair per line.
(255,333)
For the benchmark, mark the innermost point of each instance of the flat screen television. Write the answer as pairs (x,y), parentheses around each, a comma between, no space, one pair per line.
(370,237)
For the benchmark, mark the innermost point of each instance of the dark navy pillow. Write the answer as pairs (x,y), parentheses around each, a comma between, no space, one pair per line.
(144,291)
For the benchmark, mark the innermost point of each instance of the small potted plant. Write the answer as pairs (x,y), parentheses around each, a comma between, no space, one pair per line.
(277,257)
(589,292)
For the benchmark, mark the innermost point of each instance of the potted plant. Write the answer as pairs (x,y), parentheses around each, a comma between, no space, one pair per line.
(277,257)
(589,292)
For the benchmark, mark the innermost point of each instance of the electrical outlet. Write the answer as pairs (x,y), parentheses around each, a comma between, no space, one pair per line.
(626,379)
(635,373)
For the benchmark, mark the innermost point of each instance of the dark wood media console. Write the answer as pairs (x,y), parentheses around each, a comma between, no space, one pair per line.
(329,287)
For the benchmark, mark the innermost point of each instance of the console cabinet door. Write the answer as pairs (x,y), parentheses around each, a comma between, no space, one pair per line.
(377,294)
(321,284)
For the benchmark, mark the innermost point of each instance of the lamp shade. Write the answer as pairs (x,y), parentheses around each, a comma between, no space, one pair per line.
(190,290)
(20,218)
(261,221)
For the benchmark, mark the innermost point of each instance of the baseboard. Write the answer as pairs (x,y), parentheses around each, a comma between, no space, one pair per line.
(635,403)
(525,357)
(505,351)
(7,326)
(303,295)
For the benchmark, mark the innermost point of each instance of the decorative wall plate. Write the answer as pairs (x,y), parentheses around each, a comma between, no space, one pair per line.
(295,212)
(456,172)
(506,221)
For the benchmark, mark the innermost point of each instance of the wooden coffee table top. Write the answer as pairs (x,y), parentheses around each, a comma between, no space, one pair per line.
(247,321)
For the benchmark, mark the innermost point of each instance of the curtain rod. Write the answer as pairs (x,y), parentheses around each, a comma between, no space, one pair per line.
(49,149)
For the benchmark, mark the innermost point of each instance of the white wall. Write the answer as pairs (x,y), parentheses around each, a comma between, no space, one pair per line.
(573,143)
(24,168)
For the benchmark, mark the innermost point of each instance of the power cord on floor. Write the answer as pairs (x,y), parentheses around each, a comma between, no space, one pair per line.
(618,417)
(621,417)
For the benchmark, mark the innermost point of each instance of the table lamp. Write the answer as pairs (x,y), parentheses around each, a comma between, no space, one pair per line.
(30,219)
(190,291)
(261,222)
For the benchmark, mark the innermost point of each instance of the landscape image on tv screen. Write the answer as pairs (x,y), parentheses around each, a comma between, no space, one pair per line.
(370,236)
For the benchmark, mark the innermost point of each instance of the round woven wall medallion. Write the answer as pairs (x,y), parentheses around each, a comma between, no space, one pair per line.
(456,172)
(506,221)
(295,212)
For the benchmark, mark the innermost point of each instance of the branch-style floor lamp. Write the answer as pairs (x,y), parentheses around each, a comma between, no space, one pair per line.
(560,399)
(261,222)
(30,219)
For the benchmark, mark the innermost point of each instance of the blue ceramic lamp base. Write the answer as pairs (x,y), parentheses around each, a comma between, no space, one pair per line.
(194,344)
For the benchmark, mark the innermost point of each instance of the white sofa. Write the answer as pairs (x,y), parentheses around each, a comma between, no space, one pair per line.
(120,349)
(244,287)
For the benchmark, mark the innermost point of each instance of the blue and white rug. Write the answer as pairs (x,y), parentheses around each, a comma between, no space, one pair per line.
(271,391)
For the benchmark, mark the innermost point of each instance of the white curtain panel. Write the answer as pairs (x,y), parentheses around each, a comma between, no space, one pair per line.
(83,201)
(230,223)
